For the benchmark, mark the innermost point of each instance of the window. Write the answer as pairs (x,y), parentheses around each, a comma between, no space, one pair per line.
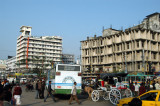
(68,68)
(93,59)
(137,44)
(101,42)
(142,44)
(101,59)
(128,46)
(154,56)
(118,48)
(138,65)
(149,96)
(86,52)
(153,36)
(101,50)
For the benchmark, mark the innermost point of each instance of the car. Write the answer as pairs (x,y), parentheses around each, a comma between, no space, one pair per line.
(150,98)
(23,80)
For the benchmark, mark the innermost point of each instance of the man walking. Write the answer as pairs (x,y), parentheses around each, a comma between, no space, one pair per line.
(136,89)
(49,93)
(37,93)
(74,94)
(43,88)
(157,86)
(40,89)
(17,94)
(142,89)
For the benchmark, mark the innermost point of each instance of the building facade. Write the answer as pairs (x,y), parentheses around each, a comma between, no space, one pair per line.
(68,58)
(136,49)
(2,65)
(11,64)
(38,52)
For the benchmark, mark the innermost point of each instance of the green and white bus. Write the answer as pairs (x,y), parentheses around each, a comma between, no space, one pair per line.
(65,76)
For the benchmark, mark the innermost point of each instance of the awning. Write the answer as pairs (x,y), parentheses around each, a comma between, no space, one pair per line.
(105,76)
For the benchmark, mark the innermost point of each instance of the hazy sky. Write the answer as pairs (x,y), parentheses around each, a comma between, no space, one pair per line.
(73,20)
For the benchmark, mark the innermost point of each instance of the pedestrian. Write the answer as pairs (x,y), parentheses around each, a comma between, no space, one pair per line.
(49,93)
(148,84)
(37,93)
(17,94)
(153,84)
(1,88)
(142,89)
(7,96)
(136,89)
(130,81)
(13,82)
(40,89)
(43,88)
(157,86)
(132,88)
(74,94)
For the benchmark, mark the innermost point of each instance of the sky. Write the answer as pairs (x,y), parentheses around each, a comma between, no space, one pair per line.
(73,20)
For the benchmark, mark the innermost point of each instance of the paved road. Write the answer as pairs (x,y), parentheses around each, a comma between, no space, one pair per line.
(28,99)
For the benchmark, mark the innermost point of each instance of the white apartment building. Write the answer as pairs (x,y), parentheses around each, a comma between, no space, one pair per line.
(11,64)
(131,50)
(38,52)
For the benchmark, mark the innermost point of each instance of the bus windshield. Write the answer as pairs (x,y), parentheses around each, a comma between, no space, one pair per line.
(68,68)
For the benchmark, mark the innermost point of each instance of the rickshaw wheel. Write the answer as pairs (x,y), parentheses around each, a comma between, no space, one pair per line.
(114,96)
(95,95)
(128,92)
(106,95)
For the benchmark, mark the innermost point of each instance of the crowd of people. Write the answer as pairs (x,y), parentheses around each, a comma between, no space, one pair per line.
(40,87)
(10,93)
(7,97)
(143,87)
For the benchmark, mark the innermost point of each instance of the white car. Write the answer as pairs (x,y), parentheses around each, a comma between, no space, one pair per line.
(23,80)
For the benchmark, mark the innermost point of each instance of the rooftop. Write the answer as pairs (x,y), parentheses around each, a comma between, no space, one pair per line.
(152,14)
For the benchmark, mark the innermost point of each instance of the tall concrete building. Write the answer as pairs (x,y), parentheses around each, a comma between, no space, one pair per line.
(136,49)
(38,52)
(68,58)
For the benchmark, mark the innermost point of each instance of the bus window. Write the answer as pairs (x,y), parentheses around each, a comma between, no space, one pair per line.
(68,68)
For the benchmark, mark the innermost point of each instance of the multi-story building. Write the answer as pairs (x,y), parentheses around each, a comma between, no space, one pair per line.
(68,58)
(37,52)
(136,49)
(11,64)
(2,66)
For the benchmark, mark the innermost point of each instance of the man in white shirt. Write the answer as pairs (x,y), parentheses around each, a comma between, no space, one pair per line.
(157,86)
(74,94)
(136,89)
